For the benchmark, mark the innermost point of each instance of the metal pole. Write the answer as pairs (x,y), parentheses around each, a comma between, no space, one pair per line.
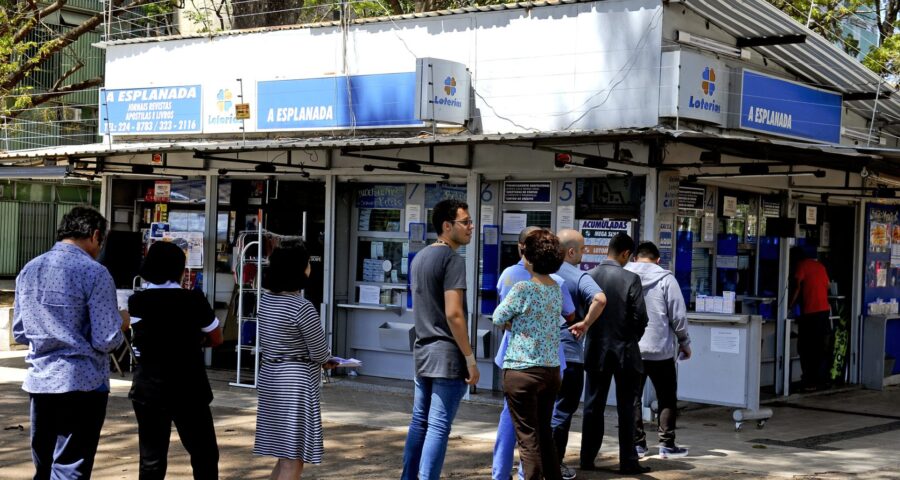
(874,109)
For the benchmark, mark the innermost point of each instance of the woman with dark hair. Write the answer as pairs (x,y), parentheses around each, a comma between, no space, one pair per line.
(293,351)
(531,367)
(171,327)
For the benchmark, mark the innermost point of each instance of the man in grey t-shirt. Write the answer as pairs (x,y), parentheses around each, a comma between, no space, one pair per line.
(445,364)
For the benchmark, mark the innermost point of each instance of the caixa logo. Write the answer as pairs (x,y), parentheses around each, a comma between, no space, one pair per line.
(449,93)
(708,86)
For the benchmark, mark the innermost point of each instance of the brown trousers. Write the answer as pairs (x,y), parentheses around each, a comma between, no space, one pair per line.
(530,394)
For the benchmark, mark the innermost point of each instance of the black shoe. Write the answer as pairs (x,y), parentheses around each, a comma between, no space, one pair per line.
(587,466)
(633,469)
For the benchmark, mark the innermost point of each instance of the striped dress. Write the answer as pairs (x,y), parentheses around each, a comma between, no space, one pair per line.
(288,418)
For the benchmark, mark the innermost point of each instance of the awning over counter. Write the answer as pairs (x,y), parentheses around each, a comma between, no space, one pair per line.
(839,157)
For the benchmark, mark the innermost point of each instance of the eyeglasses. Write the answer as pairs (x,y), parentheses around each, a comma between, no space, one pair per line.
(467,222)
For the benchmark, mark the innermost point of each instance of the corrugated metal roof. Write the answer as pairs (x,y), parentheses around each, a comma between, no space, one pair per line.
(570,138)
(104,149)
(817,59)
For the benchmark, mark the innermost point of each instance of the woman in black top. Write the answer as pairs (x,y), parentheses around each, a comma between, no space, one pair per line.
(171,327)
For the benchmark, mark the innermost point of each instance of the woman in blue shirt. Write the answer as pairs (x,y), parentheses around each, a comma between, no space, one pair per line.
(531,378)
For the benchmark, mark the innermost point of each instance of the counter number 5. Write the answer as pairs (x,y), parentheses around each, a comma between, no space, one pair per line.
(565,191)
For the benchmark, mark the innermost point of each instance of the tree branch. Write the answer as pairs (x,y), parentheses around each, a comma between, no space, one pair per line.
(396,8)
(36,17)
(64,90)
(47,49)
(59,81)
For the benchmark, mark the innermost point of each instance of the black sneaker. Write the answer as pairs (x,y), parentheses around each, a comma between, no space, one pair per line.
(566,472)
(672,452)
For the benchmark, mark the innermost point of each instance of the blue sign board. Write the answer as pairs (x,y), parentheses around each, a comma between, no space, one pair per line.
(526,192)
(781,107)
(153,110)
(434,193)
(381,195)
(358,101)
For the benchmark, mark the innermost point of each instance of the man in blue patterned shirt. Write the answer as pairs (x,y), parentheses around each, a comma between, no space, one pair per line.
(65,310)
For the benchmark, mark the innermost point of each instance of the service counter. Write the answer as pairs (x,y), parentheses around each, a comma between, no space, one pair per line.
(878,365)
(724,368)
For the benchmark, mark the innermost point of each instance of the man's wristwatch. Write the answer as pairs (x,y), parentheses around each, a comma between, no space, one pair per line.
(470,360)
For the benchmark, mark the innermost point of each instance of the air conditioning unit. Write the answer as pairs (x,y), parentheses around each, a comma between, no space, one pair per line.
(71,114)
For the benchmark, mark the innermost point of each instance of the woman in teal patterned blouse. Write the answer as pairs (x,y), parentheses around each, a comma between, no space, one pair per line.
(531,367)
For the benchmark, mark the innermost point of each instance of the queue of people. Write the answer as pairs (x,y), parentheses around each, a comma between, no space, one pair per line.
(562,326)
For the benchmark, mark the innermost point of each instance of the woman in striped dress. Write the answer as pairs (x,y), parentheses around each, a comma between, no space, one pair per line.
(293,351)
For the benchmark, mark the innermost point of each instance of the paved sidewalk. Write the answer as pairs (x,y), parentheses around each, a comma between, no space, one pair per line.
(845,434)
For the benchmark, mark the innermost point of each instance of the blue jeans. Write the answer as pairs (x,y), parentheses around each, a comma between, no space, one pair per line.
(504,447)
(434,407)
(567,401)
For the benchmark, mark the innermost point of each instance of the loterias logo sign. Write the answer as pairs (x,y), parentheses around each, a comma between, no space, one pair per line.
(693,87)
(708,87)
(448,99)
(442,91)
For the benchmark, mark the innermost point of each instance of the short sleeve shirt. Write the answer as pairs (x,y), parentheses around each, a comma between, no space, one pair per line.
(169,325)
(533,310)
(812,279)
(435,270)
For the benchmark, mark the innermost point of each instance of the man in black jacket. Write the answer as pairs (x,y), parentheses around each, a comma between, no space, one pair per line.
(611,350)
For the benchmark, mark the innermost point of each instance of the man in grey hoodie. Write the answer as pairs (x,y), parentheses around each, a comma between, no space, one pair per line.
(666,327)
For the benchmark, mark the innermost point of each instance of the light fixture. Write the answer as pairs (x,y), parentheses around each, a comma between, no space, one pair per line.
(265,168)
(710,157)
(561,160)
(142,169)
(758,173)
(716,46)
(34,172)
(598,163)
(753,169)
(411,167)
(862,136)
(408,167)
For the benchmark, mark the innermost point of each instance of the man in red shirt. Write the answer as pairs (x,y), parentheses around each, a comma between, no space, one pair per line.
(810,282)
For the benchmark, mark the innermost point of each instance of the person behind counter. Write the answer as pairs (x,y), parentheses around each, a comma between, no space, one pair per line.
(531,375)
(666,326)
(171,325)
(65,311)
(293,352)
(810,289)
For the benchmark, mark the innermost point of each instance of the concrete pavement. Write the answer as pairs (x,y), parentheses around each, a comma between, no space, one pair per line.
(841,434)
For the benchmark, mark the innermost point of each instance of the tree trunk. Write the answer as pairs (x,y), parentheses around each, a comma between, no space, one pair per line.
(268,13)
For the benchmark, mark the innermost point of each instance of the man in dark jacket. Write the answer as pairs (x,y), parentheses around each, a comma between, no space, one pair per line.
(611,350)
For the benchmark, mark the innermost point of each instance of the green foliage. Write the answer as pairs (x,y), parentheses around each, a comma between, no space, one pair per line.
(885,59)
(826,17)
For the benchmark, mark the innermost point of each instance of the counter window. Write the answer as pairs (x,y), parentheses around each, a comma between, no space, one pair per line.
(382,260)
(379,220)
